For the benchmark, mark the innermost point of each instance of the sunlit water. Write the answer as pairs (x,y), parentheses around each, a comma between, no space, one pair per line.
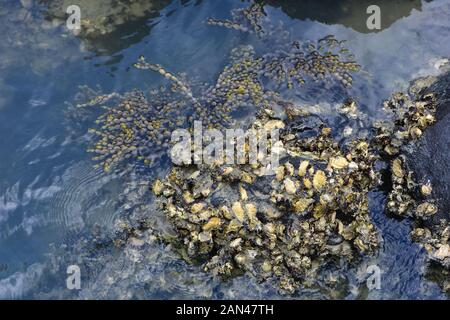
(50,192)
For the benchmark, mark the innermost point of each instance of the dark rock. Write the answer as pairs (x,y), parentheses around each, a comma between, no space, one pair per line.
(431,157)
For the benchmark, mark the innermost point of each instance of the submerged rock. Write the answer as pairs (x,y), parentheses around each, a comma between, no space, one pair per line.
(102,19)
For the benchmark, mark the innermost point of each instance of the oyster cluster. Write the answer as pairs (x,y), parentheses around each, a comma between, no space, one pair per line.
(436,241)
(236,218)
(410,118)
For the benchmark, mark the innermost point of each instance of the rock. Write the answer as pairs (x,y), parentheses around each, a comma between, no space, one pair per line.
(428,160)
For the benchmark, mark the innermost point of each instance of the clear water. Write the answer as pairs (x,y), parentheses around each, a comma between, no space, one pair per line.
(51,194)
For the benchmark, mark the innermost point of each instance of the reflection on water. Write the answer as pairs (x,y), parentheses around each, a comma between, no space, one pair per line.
(49,192)
(108,26)
(348,13)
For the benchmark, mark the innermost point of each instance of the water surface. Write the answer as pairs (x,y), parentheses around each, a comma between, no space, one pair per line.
(50,192)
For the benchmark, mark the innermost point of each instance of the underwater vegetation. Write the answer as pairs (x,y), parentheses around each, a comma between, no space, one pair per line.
(235,219)
(136,125)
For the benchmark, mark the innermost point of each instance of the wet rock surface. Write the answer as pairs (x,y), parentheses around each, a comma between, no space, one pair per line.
(429,162)
(431,156)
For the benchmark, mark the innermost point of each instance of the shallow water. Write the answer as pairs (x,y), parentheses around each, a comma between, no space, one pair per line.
(50,192)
